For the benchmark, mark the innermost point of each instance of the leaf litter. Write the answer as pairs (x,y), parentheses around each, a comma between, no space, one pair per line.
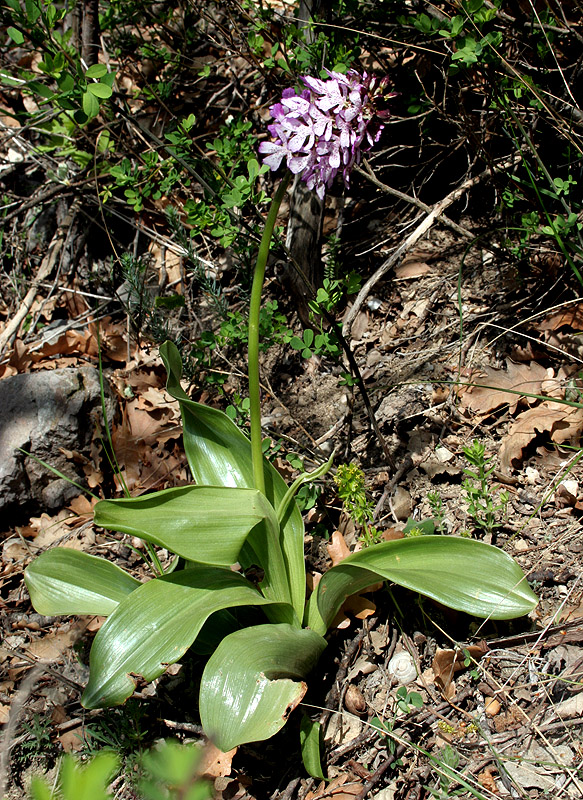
(478,708)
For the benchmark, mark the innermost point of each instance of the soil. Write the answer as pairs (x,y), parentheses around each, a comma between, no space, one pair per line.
(497,703)
(463,339)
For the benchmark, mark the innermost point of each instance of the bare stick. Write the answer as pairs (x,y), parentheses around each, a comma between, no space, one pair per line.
(435,213)
(414,201)
(47,265)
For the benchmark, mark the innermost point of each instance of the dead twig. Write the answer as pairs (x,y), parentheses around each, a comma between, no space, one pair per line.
(47,265)
(378,774)
(414,201)
(25,689)
(435,213)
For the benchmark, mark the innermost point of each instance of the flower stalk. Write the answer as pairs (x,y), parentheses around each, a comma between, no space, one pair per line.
(253,344)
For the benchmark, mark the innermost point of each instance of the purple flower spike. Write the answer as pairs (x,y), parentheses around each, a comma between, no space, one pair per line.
(326,128)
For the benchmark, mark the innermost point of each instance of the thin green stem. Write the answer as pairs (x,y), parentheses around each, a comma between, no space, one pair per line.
(253,351)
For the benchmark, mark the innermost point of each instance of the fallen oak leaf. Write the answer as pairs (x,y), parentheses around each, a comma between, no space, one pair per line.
(563,423)
(491,394)
(343,787)
(564,318)
(447,662)
(337,548)
(214,763)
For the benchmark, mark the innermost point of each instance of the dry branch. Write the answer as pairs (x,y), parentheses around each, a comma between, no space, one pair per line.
(47,265)
(434,214)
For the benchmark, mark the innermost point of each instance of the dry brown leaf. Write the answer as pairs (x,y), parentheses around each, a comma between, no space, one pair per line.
(67,344)
(59,715)
(214,763)
(518,377)
(337,548)
(343,787)
(95,623)
(52,645)
(82,506)
(146,424)
(412,269)
(72,741)
(487,780)
(359,326)
(356,606)
(127,454)
(447,662)
(562,422)
(48,530)
(4,713)
(113,339)
(391,534)
(571,317)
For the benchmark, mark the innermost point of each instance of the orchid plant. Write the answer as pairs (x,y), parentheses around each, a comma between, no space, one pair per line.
(239,513)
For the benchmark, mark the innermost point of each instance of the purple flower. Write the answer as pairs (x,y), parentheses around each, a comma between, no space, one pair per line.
(326,128)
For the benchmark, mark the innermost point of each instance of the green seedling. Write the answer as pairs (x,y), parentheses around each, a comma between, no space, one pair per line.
(487,506)
(436,502)
(169,772)
(349,480)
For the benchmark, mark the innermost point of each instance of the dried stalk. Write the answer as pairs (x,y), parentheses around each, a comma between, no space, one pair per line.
(434,214)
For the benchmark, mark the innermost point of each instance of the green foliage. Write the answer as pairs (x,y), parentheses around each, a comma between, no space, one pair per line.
(462,29)
(407,700)
(169,772)
(438,510)
(77,781)
(349,480)
(35,741)
(252,677)
(486,506)
(385,728)
(233,335)
(310,744)
(239,509)
(124,731)
(323,344)
(71,89)
(326,343)
(446,767)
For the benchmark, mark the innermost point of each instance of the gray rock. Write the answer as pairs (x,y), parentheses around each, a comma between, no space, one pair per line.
(45,413)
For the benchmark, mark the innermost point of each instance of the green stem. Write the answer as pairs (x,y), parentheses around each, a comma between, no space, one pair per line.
(253,351)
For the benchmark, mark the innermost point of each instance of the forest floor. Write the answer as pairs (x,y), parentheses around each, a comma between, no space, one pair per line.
(491,707)
(467,343)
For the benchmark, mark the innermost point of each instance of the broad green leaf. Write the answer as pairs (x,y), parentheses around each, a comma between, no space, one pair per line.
(464,574)
(64,581)
(96,71)
(16,35)
(219,454)
(100,90)
(310,747)
(90,104)
(253,681)
(205,524)
(39,88)
(156,625)
(33,11)
(89,780)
